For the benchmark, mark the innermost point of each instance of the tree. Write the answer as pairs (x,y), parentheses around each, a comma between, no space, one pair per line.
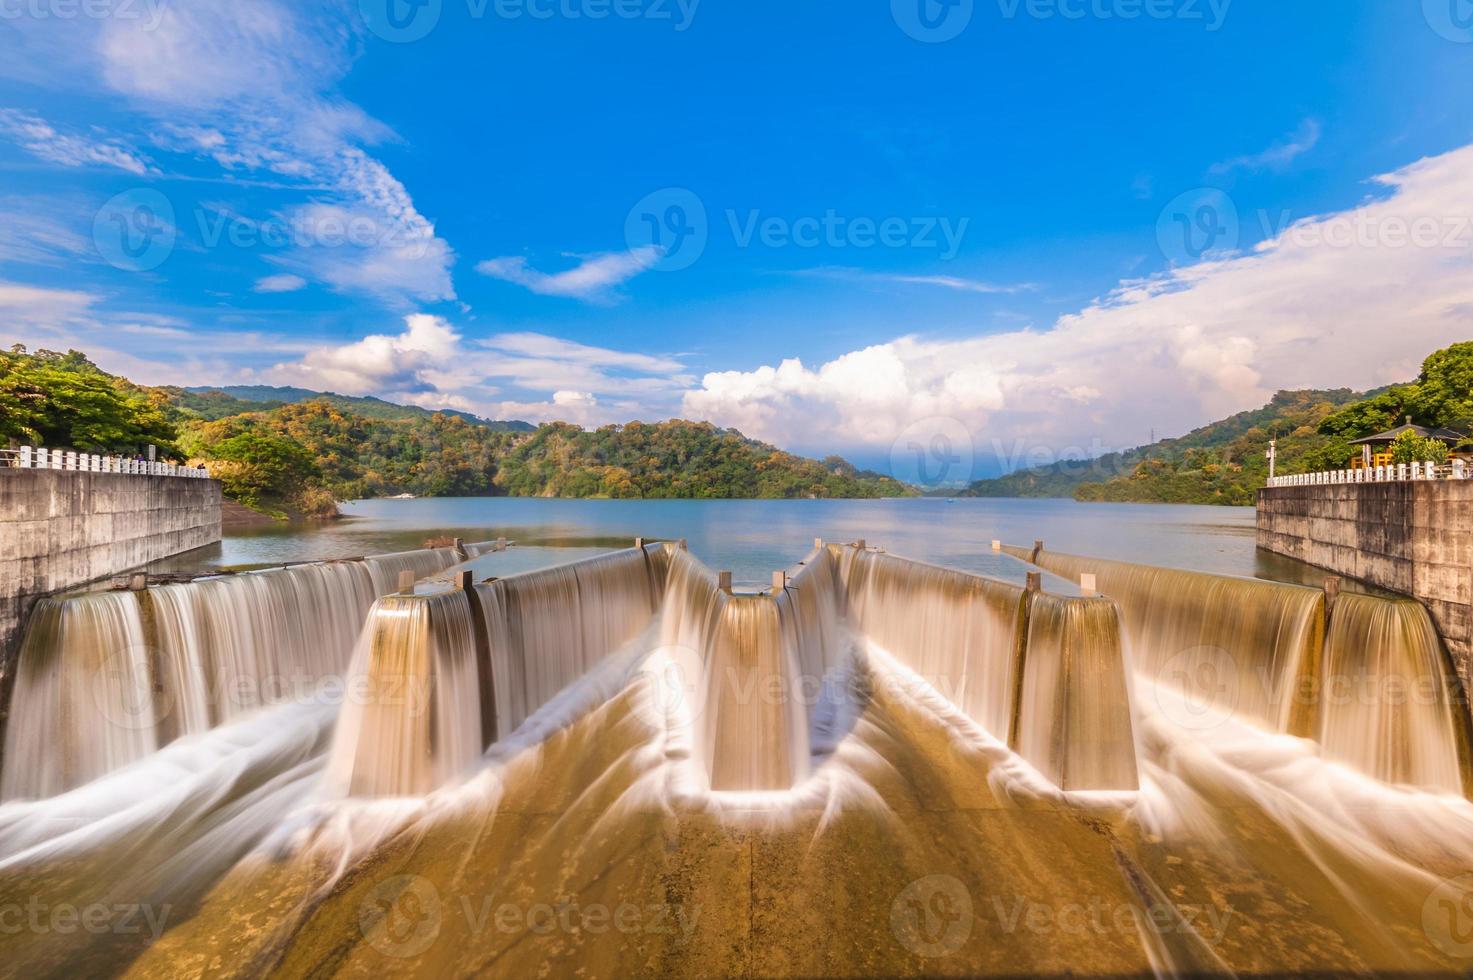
(1412,448)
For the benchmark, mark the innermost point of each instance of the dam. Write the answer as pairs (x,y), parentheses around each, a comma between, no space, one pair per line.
(632,765)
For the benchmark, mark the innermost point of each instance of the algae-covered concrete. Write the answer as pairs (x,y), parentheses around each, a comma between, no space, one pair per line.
(1415,538)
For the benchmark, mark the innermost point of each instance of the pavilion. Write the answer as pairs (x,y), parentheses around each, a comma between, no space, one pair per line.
(1373,448)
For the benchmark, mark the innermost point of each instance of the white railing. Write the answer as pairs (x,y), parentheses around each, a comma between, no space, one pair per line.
(32,458)
(1397,473)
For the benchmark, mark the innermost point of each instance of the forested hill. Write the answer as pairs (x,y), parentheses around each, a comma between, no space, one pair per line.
(282,453)
(219,402)
(1226,462)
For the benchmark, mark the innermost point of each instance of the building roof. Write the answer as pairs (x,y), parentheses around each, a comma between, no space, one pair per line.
(1441,435)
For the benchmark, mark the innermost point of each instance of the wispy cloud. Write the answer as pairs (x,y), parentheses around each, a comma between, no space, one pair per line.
(254,89)
(42,139)
(284,282)
(593,279)
(958,283)
(1279,155)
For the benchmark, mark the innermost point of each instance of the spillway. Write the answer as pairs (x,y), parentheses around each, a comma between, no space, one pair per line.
(628,767)
(1366,677)
(104,679)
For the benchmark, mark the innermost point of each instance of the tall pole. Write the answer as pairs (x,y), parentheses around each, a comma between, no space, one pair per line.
(1273,457)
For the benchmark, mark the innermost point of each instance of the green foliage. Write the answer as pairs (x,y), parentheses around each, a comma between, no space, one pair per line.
(674,459)
(1408,447)
(1444,391)
(65,401)
(1221,463)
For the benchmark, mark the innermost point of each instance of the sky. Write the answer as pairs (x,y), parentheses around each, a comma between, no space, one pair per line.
(944,237)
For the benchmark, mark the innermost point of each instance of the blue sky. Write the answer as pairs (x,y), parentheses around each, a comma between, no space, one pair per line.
(868,233)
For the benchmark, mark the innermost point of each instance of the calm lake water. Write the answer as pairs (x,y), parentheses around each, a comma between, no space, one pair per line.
(754,537)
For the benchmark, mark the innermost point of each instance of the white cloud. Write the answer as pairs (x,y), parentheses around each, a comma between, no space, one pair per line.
(283,282)
(1345,299)
(408,363)
(592,279)
(252,87)
(27,235)
(37,307)
(1279,155)
(42,139)
(430,365)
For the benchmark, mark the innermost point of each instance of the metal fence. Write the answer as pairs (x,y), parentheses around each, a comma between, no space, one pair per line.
(1396,473)
(32,458)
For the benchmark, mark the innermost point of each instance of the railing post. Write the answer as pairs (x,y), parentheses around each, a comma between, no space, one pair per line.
(25,457)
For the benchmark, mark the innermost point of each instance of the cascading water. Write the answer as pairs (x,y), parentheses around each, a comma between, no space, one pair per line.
(1074,715)
(1238,645)
(1385,704)
(104,679)
(1374,688)
(957,631)
(83,702)
(920,846)
(412,718)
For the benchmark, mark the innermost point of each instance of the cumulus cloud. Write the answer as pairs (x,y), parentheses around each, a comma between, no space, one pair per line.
(283,282)
(1354,298)
(593,278)
(409,363)
(42,139)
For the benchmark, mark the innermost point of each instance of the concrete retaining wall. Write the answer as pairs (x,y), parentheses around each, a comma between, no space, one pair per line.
(61,528)
(1415,538)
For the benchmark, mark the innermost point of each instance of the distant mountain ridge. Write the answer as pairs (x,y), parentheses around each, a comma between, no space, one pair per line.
(219,401)
(1226,462)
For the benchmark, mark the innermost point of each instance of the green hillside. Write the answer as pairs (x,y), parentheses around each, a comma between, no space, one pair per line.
(1225,462)
(299,457)
(219,402)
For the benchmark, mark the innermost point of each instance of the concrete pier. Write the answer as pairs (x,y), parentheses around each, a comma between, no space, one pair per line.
(60,529)
(1414,537)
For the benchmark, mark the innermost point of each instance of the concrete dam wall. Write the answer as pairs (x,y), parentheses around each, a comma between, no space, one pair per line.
(1414,537)
(63,528)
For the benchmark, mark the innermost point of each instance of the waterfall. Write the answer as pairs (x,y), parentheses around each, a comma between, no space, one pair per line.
(412,717)
(1234,645)
(105,678)
(436,678)
(546,629)
(83,702)
(1385,698)
(956,630)
(1374,688)
(1074,716)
